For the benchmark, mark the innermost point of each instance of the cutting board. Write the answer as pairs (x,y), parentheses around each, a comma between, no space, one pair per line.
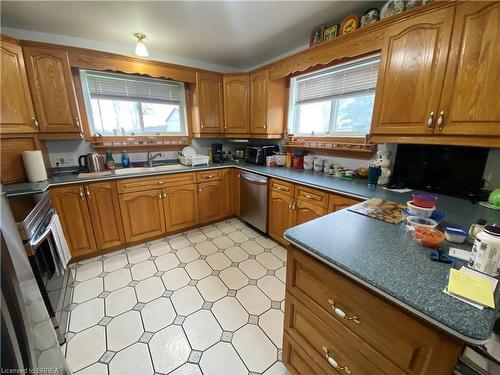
(376,208)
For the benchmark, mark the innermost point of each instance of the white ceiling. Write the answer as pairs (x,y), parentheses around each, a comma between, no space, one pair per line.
(230,34)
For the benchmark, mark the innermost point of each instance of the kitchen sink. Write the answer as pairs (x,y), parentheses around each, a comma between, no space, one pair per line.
(158,168)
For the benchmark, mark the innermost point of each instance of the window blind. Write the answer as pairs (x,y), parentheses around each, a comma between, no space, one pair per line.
(110,85)
(351,78)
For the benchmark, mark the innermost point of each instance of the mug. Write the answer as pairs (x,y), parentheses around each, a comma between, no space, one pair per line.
(373,175)
(318,165)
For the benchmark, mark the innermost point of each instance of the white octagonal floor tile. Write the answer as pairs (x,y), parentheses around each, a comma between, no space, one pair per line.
(223,242)
(149,289)
(166,262)
(236,254)
(178,243)
(225,227)
(96,369)
(86,348)
(120,300)
(233,278)
(230,314)
(202,330)
(196,237)
(218,261)
(187,369)
(211,232)
(221,359)
(211,288)
(253,300)
(132,360)
(117,279)
(238,237)
(206,248)
(281,274)
(271,323)
(266,242)
(277,369)
(256,350)
(144,270)
(169,349)
(198,269)
(186,300)
(252,247)
(138,255)
(159,248)
(88,270)
(250,232)
(86,315)
(87,290)
(175,279)
(157,314)
(270,261)
(280,252)
(124,330)
(188,254)
(272,287)
(252,268)
(115,262)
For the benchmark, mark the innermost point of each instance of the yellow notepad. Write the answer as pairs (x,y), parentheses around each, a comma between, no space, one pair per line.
(471,287)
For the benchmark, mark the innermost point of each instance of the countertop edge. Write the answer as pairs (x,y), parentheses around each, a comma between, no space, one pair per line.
(430,320)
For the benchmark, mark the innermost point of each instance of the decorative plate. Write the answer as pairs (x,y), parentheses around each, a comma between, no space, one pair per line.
(391,8)
(188,152)
(349,24)
(370,16)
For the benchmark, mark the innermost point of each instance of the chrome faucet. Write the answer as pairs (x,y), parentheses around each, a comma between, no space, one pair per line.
(151,158)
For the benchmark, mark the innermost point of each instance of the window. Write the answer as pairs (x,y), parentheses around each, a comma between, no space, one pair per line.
(334,102)
(125,104)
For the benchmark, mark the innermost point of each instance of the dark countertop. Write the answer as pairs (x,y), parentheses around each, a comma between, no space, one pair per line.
(381,256)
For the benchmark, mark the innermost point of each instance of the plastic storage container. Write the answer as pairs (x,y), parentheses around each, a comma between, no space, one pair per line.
(419,211)
(425,200)
(428,237)
(455,235)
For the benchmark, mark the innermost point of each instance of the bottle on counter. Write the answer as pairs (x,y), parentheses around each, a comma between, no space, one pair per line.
(110,162)
(125,159)
(288,160)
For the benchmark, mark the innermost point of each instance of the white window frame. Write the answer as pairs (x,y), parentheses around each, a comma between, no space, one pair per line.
(182,104)
(293,113)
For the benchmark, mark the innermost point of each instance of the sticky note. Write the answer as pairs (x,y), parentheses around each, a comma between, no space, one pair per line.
(471,287)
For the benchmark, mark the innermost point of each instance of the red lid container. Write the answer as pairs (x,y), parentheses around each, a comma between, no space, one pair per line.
(425,200)
(298,162)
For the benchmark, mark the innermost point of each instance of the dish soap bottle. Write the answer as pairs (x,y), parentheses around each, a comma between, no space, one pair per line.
(125,159)
(110,162)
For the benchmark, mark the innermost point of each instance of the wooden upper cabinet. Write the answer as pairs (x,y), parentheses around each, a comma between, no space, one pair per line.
(210,102)
(470,95)
(16,112)
(181,207)
(411,74)
(236,96)
(105,215)
(52,89)
(71,206)
(267,104)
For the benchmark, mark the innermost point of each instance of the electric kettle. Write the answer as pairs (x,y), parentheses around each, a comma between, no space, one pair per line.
(93,162)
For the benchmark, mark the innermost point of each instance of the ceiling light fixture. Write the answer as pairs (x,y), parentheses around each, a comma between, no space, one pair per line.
(140,48)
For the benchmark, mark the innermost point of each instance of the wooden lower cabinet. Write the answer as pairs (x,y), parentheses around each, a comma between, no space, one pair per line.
(339,202)
(305,211)
(280,215)
(227,192)
(180,204)
(210,201)
(105,215)
(236,192)
(71,206)
(142,214)
(380,337)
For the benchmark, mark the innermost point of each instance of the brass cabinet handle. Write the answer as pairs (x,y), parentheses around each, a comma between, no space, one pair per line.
(209,176)
(202,125)
(163,195)
(334,363)
(278,187)
(309,196)
(35,122)
(87,190)
(341,314)
(430,122)
(440,121)
(200,189)
(160,182)
(82,196)
(159,195)
(225,125)
(77,120)
(265,126)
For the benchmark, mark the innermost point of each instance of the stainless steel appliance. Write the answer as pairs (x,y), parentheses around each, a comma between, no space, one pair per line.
(93,162)
(256,154)
(28,341)
(33,213)
(253,200)
(217,153)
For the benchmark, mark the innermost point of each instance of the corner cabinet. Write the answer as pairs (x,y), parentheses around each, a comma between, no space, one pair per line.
(17,114)
(236,108)
(52,89)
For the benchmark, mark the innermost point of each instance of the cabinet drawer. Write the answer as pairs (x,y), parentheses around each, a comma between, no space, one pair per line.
(339,202)
(282,187)
(409,344)
(322,341)
(209,176)
(312,196)
(130,185)
(298,361)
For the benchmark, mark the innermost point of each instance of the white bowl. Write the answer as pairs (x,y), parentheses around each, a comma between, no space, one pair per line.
(419,211)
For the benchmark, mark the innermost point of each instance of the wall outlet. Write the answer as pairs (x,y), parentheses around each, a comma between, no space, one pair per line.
(63,160)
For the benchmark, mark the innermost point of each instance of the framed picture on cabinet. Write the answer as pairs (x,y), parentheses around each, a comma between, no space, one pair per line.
(331,32)
(317,36)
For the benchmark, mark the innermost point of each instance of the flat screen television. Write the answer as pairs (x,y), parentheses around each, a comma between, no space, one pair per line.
(450,170)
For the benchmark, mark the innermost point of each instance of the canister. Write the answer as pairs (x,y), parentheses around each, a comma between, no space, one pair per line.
(485,256)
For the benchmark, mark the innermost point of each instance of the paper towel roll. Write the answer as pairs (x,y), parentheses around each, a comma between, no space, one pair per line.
(34,166)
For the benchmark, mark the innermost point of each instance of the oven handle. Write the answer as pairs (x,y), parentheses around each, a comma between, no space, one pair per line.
(252,180)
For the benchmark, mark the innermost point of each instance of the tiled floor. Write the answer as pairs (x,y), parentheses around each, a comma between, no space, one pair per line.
(208,301)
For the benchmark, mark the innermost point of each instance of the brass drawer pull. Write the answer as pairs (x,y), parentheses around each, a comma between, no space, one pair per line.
(160,182)
(430,122)
(440,121)
(209,176)
(341,314)
(279,187)
(35,122)
(334,363)
(82,195)
(87,190)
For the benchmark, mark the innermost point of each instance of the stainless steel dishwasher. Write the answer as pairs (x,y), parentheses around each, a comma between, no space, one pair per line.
(253,200)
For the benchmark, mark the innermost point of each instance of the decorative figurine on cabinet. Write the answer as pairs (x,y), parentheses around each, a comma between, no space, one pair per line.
(383,161)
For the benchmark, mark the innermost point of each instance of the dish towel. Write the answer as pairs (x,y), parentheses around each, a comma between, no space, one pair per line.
(61,246)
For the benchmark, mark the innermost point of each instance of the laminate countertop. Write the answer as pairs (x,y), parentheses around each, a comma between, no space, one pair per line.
(381,256)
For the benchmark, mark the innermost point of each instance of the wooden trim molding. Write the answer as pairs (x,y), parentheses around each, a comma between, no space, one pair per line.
(433,139)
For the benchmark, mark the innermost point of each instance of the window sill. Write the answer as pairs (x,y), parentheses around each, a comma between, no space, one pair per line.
(140,143)
(346,146)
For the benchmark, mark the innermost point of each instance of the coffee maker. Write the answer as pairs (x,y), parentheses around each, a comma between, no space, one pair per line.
(217,153)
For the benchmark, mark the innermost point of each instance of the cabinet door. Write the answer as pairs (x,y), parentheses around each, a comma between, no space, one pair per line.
(210,102)
(181,207)
(338,202)
(11,161)
(236,192)
(16,108)
(236,117)
(470,95)
(142,215)
(411,74)
(305,212)
(258,102)
(71,206)
(280,216)
(209,200)
(227,193)
(105,214)
(52,88)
